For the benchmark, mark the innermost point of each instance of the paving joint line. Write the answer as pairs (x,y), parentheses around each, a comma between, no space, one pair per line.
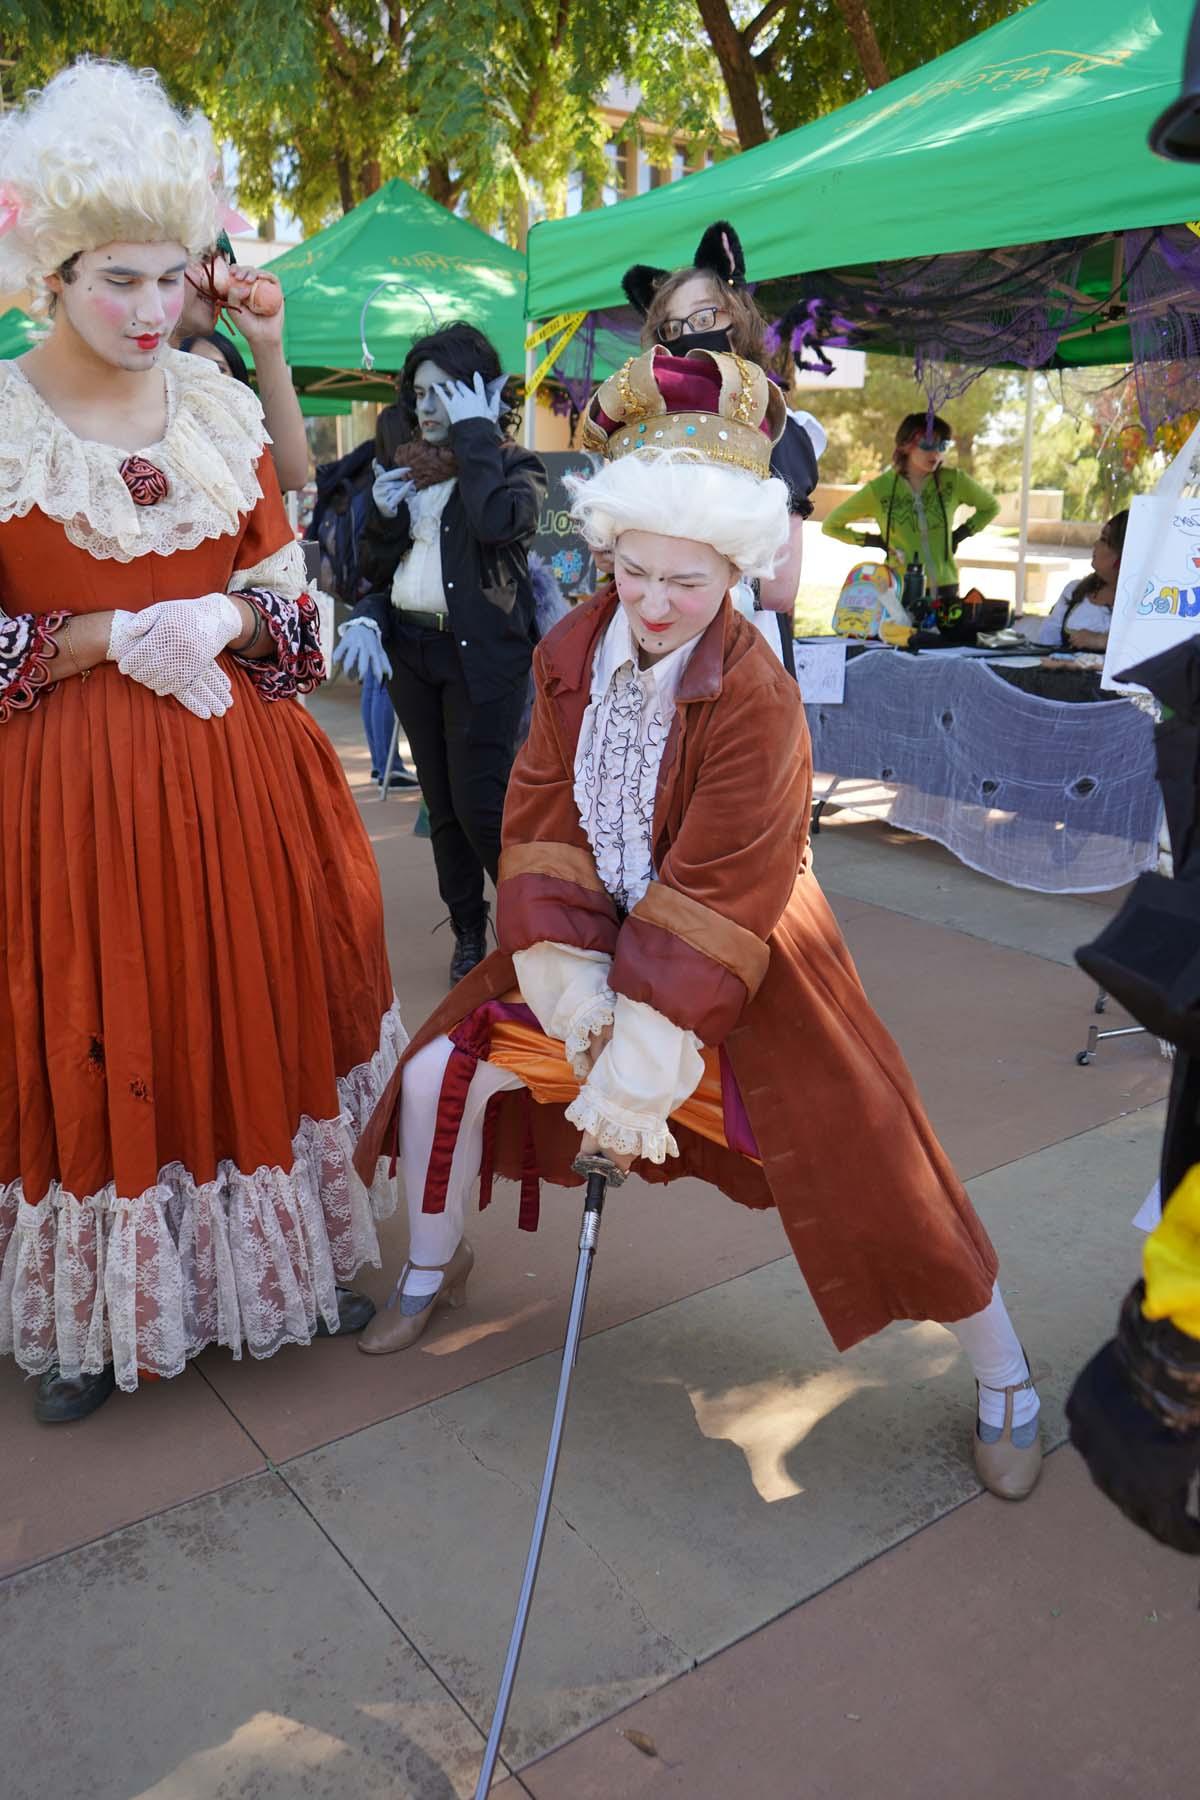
(713,1287)
(701,1662)
(524,1362)
(278,1471)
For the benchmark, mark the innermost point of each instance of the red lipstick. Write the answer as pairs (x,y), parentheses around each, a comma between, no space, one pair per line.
(657,628)
(148,343)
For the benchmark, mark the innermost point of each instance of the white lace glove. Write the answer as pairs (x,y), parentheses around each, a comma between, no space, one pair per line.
(210,695)
(479,401)
(169,645)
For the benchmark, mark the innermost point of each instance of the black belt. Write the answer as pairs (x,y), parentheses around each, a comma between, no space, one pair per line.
(429,621)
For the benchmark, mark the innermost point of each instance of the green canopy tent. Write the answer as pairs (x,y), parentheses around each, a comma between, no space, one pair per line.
(18,333)
(388,271)
(1024,147)
(1032,131)
(999,206)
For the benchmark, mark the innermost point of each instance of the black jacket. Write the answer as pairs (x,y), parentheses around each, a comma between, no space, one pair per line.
(488,525)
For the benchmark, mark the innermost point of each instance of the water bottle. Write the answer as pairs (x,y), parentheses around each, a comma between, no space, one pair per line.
(913,596)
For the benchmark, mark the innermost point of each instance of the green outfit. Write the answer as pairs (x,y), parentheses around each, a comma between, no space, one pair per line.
(907,535)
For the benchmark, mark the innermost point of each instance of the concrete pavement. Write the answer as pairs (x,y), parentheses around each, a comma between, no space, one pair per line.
(769,1567)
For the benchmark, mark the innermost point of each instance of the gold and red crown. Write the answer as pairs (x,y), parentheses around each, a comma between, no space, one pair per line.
(718,405)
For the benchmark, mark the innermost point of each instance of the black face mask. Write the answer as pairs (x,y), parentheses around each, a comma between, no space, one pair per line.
(699,340)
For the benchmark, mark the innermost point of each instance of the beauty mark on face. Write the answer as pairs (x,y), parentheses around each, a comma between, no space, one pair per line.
(123,300)
(670,588)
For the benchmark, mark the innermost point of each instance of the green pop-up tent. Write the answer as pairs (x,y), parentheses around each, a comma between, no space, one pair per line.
(1032,131)
(388,271)
(18,333)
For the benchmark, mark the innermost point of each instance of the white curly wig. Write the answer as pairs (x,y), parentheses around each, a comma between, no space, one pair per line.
(678,493)
(100,156)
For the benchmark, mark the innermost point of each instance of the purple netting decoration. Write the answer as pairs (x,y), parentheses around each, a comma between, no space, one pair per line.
(1164,321)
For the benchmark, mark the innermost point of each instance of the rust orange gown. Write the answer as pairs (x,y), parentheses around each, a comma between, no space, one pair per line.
(196,1014)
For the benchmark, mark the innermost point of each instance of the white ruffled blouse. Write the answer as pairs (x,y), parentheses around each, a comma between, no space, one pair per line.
(418,582)
(649,1066)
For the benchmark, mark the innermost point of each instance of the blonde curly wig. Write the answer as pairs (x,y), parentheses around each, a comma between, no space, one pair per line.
(678,493)
(100,156)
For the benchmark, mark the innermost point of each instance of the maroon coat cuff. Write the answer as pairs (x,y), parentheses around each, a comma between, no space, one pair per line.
(689,963)
(551,894)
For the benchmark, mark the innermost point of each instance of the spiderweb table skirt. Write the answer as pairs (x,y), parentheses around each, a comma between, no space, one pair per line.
(1038,793)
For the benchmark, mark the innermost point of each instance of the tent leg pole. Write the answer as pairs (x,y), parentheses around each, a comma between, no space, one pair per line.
(529,422)
(1026,485)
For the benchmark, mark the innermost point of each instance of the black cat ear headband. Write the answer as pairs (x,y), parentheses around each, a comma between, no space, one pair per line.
(718,253)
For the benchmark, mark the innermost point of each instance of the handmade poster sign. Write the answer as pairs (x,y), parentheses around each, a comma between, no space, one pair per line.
(821,671)
(557,540)
(1158,594)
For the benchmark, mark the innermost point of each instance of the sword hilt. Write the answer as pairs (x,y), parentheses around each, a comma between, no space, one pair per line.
(598,1167)
(601,1174)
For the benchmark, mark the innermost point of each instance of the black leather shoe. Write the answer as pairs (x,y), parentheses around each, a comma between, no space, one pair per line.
(355,1312)
(470,948)
(62,1401)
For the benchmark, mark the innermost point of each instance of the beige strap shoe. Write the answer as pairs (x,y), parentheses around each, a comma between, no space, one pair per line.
(1005,1469)
(391,1329)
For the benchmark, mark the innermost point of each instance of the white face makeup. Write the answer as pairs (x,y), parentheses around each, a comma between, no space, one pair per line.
(123,301)
(431,413)
(671,589)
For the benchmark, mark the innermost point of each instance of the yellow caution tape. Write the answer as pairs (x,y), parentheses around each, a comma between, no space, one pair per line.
(572,322)
(559,323)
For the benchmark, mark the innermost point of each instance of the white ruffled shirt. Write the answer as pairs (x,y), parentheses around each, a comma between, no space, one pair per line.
(417,584)
(650,1066)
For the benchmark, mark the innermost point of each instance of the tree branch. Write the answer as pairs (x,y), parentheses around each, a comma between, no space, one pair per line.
(761,20)
(737,70)
(858,22)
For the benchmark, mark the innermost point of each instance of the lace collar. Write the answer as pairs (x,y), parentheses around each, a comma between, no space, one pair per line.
(209,454)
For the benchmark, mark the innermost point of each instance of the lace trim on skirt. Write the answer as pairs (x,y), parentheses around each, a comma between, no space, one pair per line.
(147,1282)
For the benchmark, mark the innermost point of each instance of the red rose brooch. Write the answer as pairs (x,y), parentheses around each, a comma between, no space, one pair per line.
(147,485)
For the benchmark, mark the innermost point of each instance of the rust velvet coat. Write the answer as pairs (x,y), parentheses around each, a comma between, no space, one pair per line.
(734,941)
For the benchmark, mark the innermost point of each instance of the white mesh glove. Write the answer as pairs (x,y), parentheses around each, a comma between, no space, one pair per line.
(171,643)
(210,695)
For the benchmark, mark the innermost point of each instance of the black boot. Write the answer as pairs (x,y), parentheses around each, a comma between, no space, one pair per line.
(62,1400)
(470,947)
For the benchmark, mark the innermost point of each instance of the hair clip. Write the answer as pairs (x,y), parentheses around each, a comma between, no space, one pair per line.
(10,208)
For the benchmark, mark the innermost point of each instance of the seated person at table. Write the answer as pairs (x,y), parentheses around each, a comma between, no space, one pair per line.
(1083,612)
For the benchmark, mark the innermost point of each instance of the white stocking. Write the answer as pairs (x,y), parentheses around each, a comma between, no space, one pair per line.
(997,1360)
(434,1237)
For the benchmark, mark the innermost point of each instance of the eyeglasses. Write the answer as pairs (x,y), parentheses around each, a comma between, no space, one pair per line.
(703,319)
(938,444)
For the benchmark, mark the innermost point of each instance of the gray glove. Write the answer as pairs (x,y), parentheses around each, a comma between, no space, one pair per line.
(391,489)
(361,653)
(479,401)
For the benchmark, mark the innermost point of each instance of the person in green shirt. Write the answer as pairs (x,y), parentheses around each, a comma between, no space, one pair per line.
(913,505)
